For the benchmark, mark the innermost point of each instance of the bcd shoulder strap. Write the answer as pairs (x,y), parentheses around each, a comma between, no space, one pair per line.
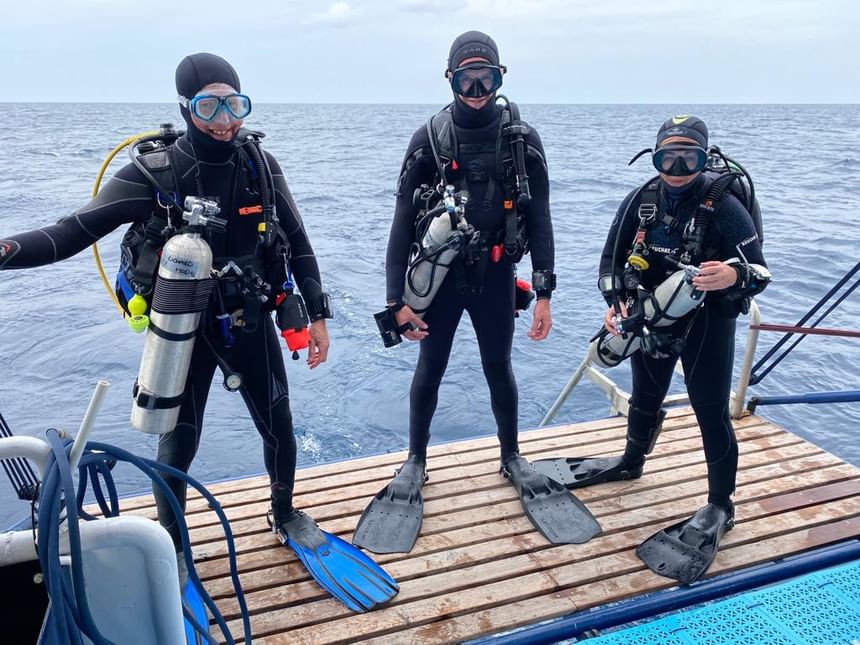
(160,172)
(443,139)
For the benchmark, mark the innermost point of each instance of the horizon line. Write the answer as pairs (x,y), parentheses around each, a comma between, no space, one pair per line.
(424,103)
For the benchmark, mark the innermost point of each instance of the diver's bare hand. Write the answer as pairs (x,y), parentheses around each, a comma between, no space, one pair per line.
(318,344)
(541,320)
(609,318)
(419,327)
(715,276)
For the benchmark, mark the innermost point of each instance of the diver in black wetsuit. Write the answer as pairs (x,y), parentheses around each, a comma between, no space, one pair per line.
(210,161)
(485,288)
(491,307)
(731,270)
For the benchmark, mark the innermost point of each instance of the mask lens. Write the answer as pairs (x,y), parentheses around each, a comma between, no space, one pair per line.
(205,107)
(239,105)
(476,81)
(680,161)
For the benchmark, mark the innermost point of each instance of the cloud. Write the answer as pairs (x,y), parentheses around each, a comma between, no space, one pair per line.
(431,6)
(337,15)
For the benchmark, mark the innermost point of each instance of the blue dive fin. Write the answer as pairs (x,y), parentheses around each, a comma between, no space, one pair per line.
(193,604)
(341,569)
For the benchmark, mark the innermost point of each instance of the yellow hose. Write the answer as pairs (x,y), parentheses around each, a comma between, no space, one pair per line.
(131,140)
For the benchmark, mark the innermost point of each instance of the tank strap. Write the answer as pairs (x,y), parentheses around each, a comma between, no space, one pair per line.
(150,401)
(177,297)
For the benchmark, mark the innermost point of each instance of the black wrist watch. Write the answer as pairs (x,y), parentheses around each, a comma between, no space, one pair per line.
(543,281)
(320,308)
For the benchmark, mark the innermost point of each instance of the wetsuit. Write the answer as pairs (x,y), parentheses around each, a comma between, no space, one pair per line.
(489,301)
(224,174)
(708,354)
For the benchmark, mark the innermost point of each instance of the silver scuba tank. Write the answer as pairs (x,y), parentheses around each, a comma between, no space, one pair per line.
(181,294)
(673,299)
(430,259)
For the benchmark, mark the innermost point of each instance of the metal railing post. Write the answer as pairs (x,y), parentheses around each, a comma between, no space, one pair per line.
(562,397)
(737,406)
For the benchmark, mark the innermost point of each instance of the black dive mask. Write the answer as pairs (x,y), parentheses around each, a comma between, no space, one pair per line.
(477,80)
(680,160)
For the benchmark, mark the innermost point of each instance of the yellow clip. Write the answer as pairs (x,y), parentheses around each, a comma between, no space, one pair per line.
(261,227)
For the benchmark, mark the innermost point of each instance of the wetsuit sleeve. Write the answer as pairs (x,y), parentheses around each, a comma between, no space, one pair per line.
(737,238)
(126,198)
(623,237)
(418,168)
(303,262)
(538,219)
(737,234)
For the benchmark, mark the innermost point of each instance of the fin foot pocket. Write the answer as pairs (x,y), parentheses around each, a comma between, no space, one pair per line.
(685,551)
(553,510)
(579,472)
(392,521)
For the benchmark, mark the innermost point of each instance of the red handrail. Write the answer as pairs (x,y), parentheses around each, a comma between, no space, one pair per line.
(819,331)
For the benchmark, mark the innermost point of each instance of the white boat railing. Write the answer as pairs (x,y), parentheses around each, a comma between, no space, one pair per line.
(619,399)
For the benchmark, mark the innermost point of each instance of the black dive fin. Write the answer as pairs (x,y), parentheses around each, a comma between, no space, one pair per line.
(392,521)
(579,472)
(555,512)
(685,550)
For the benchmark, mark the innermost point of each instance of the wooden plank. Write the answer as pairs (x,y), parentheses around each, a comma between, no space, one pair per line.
(580,597)
(482,569)
(254,533)
(374,474)
(599,572)
(352,499)
(673,507)
(479,565)
(758,467)
(392,459)
(499,552)
(353,469)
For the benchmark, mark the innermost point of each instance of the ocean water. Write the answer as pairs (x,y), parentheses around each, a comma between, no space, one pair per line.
(59,332)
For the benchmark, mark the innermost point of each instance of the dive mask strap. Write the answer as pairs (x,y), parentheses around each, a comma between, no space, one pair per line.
(640,154)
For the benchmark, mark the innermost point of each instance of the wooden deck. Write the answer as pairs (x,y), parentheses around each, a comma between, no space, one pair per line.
(479,567)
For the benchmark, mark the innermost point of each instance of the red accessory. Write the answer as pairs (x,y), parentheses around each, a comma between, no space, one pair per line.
(497,252)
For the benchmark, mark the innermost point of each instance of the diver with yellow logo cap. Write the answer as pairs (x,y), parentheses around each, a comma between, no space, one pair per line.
(676,275)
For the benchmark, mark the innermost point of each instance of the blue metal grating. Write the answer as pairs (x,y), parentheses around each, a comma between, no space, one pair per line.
(821,608)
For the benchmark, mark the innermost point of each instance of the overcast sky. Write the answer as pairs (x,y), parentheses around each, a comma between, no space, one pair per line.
(557,51)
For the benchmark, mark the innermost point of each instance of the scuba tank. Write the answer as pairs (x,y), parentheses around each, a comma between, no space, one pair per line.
(445,233)
(182,292)
(673,299)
